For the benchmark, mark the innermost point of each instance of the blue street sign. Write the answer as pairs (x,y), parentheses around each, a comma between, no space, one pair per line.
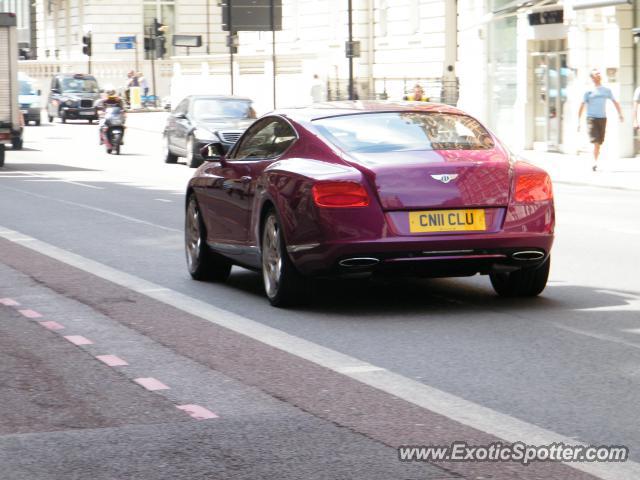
(124,46)
(131,39)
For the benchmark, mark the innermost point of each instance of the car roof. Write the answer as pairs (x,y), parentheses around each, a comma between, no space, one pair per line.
(218,97)
(348,107)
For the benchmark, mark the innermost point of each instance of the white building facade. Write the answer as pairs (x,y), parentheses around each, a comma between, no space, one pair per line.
(402,42)
(527,80)
(23,18)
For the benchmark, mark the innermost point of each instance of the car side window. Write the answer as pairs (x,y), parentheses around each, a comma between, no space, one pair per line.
(268,138)
(182,106)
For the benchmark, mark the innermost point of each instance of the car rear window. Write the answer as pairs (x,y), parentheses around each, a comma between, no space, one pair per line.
(78,84)
(398,131)
(207,108)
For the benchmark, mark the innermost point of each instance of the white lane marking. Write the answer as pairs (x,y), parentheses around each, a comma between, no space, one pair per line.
(60,180)
(41,177)
(586,222)
(476,416)
(632,303)
(630,231)
(96,209)
(598,336)
(163,200)
(360,369)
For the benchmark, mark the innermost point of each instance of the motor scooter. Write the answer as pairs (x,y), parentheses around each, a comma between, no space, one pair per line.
(112,129)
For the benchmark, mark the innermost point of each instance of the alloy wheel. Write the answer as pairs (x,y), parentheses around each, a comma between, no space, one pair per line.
(193,236)
(271,257)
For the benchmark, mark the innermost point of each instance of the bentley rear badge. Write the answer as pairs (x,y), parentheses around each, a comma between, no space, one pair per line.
(445,177)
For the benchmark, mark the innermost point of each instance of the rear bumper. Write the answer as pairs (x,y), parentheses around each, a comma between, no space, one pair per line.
(74,113)
(32,115)
(442,256)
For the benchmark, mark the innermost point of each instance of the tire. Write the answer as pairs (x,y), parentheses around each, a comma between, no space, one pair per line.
(109,151)
(50,118)
(283,284)
(2,149)
(193,159)
(63,117)
(38,123)
(116,149)
(527,282)
(91,121)
(202,263)
(17,144)
(169,157)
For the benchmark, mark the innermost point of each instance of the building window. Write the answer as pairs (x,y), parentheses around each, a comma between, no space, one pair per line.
(383,13)
(502,78)
(414,16)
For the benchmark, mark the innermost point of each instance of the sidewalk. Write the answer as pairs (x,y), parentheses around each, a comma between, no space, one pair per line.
(622,173)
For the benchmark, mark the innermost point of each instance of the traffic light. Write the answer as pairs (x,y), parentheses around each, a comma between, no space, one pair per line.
(86,44)
(159,29)
(161,49)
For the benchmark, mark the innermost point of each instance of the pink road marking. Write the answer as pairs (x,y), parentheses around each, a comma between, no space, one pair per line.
(78,340)
(30,313)
(51,325)
(197,412)
(151,384)
(9,302)
(112,360)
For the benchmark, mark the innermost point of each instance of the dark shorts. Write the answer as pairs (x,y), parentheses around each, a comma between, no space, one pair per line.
(597,126)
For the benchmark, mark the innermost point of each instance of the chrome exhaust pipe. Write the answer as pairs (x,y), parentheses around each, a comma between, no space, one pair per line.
(528,255)
(358,262)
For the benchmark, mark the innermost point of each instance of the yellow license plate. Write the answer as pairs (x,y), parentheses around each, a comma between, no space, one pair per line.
(446,221)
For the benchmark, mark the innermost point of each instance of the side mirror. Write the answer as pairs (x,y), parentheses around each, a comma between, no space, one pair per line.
(55,90)
(212,152)
(180,115)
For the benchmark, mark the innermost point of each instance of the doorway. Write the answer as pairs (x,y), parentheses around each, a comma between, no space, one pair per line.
(550,79)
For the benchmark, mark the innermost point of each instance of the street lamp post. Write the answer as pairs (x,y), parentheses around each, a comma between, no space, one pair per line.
(208,29)
(351,93)
(231,41)
(273,48)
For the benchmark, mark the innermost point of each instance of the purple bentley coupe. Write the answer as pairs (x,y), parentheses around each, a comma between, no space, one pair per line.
(369,188)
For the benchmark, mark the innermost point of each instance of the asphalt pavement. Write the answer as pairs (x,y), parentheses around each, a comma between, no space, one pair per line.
(564,365)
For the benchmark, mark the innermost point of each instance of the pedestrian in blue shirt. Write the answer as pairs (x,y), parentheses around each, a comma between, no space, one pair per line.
(596,102)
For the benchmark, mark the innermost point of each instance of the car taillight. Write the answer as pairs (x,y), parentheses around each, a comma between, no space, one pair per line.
(340,194)
(533,187)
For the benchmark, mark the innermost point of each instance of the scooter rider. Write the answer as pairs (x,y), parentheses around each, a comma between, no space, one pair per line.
(112,100)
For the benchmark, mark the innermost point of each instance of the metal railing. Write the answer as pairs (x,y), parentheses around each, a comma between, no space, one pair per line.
(436,89)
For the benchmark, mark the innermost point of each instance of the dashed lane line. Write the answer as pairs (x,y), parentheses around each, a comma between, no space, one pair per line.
(195,411)
(151,384)
(78,340)
(95,209)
